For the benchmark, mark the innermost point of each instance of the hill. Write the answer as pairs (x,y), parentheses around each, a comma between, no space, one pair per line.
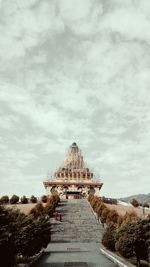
(140,197)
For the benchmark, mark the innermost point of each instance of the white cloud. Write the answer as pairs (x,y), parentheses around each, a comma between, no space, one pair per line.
(23,26)
(75,9)
(129,21)
(75,71)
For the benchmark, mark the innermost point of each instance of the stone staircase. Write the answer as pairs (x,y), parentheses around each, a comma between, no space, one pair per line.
(78,223)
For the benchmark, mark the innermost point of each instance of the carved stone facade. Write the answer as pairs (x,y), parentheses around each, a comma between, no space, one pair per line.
(73,179)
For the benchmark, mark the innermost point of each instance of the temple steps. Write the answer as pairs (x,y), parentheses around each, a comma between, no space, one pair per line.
(78,223)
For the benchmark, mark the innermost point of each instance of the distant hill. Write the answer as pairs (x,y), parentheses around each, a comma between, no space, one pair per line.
(140,197)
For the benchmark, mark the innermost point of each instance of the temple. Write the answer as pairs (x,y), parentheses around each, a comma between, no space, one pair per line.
(73,179)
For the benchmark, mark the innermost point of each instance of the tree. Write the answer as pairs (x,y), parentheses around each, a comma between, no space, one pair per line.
(130,216)
(33,199)
(125,239)
(146,205)
(44,199)
(49,208)
(104,215)
(100,209)
(98,204)
(108,239)
(38,210)
(112,217)
(142,239)
(149,253)
(4,200)
(95,202)
(134,202)
(7,247)
(21,234)
(132,239)
(14,199)
(90,197)
(24,200)
(120,220)
(51,204)
(33,235)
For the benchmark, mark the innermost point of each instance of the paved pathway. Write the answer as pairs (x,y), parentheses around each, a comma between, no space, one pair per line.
(78,223)
(76,239)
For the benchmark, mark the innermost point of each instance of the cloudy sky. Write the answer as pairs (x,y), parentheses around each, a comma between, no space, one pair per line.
(75,70)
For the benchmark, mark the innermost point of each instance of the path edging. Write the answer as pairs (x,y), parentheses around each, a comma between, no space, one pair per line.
(115,258)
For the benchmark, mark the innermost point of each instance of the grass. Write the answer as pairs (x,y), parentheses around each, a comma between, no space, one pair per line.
(121,209)
(25,208)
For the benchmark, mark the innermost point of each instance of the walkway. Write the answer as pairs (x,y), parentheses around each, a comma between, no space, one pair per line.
(76,239)
(78,223)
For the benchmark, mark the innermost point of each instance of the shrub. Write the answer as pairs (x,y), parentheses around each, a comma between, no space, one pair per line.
(95,202)
(44,199)
(146,205)
(14,199)
(33,199)
(24,200)
(51,204)
(33,235)
(134,202)
(100,209)
(112,217)
(130,216)
(97,206)
(104,215)
(108,239)
(4,200)
(125,238)
(120,220)
(49,208)
(7,248)
(7,232)
(21,234)
(38,210)
(90,197)
(132,239)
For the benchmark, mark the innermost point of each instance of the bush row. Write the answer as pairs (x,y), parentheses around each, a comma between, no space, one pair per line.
(47,209)
(128,235)
(24,200)
(107,215)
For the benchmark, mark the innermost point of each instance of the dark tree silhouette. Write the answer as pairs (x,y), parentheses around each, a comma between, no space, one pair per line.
(4,200)
(14,199)
(135,202)
(24,200)
(33,199)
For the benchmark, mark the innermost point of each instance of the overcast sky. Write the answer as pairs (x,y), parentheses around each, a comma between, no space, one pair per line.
(75,71)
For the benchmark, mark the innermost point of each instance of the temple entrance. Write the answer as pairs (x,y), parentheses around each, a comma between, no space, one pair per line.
(73,195)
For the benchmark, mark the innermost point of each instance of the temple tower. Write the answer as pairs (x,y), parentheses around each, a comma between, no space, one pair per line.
(73,179)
